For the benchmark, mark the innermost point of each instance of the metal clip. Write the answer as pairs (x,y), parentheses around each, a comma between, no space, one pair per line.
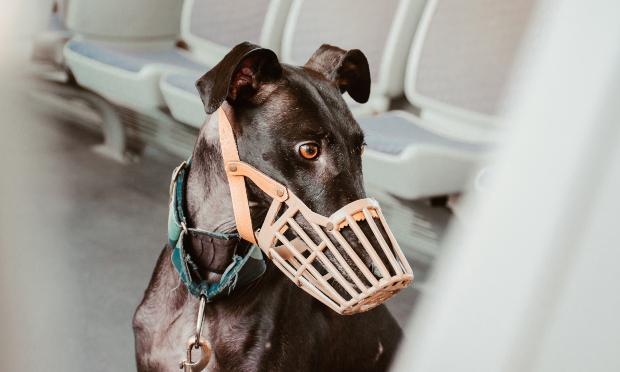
(201,318)
(205,352)
(198,342)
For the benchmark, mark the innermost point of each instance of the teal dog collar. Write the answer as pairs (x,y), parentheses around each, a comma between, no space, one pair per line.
(241,271)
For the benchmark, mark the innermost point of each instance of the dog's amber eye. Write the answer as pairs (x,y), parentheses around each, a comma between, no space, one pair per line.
(309,150)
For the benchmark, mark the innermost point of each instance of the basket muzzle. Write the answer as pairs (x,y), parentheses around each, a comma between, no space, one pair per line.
(349,267)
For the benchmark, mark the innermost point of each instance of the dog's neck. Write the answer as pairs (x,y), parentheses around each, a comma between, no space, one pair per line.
(208,200)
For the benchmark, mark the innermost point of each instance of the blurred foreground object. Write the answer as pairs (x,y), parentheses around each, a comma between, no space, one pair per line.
(532,284)
(20,21)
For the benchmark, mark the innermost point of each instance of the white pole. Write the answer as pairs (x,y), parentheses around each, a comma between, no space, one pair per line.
(534,282)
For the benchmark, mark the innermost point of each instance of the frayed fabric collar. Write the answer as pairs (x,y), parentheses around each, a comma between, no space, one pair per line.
(242,270)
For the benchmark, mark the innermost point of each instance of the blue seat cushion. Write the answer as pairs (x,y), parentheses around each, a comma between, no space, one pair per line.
(185,81)
(391,133)
(133,60)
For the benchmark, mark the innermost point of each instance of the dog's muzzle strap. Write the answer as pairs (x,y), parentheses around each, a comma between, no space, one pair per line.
(237,171)
(238,192)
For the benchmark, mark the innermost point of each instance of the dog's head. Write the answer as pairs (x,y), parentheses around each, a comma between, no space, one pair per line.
(293,124)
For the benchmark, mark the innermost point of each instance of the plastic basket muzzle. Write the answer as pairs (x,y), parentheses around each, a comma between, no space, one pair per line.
(301,258)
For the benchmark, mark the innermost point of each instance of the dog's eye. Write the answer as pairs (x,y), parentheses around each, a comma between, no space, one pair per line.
(309,150)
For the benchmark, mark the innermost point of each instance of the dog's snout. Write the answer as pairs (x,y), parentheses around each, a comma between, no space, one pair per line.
(354,241)
(375,271)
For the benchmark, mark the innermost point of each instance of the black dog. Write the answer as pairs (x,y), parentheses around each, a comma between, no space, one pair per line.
(270,324)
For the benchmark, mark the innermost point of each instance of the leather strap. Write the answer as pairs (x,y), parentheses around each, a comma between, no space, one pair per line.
(236,171)
(270,186)
(241,206)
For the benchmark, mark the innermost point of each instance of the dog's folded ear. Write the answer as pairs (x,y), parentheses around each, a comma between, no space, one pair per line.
(238,76)
(347,70)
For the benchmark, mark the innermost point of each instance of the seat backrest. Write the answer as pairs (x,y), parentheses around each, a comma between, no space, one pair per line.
(461,60)
(124,20)
(383,30)
(212,27)
(61,10)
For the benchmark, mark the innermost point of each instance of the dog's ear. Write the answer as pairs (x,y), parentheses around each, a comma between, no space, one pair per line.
(238,76)
(347,70)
